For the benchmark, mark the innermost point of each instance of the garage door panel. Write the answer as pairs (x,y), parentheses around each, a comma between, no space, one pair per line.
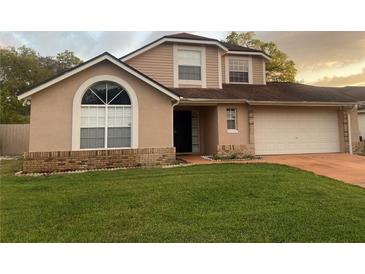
(296,131)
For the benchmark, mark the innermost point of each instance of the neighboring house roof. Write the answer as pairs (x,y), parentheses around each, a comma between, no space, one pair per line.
(102,57)
(273,93)
(357,93)
(191,38)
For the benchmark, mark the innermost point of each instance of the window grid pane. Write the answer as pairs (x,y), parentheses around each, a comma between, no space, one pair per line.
(119,116)
(119,137)
(92,137)
(92,116)
(189,73)
(238,77)
(189,58)
(238,71)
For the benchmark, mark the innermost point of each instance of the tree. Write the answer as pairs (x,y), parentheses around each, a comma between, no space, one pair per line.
(280,68)
(66,60)
(21,69)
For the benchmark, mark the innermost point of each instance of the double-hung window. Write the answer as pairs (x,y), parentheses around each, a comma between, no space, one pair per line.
(238,70)
(189,64)
(232,120)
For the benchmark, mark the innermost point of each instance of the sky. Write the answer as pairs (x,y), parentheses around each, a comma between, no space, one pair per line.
(322,58)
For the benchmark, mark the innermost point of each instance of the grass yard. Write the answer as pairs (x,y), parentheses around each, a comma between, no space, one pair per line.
(211,203)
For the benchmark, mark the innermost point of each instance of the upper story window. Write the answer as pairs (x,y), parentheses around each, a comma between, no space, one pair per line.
(106,117)
(238,71)
(189,64)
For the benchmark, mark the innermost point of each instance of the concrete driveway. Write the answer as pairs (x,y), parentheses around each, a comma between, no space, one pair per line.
(344,167)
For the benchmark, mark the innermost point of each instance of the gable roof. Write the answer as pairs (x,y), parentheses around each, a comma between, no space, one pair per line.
(196,39)
(102,57)
(185,35)
(275,93)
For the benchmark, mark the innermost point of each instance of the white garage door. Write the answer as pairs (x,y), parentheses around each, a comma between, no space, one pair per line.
(283,131)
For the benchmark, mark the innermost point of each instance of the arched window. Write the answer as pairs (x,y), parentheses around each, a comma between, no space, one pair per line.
(106,117)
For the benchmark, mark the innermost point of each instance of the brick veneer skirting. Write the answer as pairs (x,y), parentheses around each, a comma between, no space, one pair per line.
(238,150)
(94,159)
(358,147)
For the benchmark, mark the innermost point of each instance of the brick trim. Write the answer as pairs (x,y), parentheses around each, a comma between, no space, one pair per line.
(251,128)
(95,159)
(346,136)
(238,150)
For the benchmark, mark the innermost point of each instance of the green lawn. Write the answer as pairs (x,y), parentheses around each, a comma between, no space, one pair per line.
(211,203)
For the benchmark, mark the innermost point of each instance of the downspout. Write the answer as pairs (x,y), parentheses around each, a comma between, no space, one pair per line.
(172,120)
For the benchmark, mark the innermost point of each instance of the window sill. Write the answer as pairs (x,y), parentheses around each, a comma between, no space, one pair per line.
(240,83)
(232,131)
(190,82)
(109,148)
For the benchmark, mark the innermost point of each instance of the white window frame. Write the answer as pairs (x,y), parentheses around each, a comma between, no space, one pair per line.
(250,75)
(76,111)
(177,81)
(228,109)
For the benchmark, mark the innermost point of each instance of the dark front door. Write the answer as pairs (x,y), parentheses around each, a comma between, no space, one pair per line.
(182,131)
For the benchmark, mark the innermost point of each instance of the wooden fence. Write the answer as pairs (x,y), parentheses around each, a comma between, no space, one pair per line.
(14,139)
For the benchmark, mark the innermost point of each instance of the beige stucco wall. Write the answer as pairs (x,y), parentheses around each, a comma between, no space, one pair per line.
(51,111)
(211,130)
(242,136)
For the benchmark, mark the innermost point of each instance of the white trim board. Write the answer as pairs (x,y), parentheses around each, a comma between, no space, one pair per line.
(262,103)
(249,53)
(219,69)
(105,56)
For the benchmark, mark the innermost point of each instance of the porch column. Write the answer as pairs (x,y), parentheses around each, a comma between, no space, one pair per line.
(251,128)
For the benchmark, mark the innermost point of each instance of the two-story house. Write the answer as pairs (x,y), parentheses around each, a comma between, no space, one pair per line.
(181,94)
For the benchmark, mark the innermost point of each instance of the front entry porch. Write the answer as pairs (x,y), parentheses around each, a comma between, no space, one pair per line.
(195,129)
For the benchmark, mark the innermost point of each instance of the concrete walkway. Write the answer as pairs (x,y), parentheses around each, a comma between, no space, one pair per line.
(344,167)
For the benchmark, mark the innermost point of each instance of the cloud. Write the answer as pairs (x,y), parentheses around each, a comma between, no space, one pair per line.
(85,44)
(312,50)
(337,81)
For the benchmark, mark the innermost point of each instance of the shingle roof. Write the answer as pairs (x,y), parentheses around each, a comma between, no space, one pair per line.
(229,46)
(232,47)
(275,92)
(185,35)
(189,36)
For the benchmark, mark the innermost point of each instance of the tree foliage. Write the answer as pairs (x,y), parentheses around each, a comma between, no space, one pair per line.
(280,68)
(22,68)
